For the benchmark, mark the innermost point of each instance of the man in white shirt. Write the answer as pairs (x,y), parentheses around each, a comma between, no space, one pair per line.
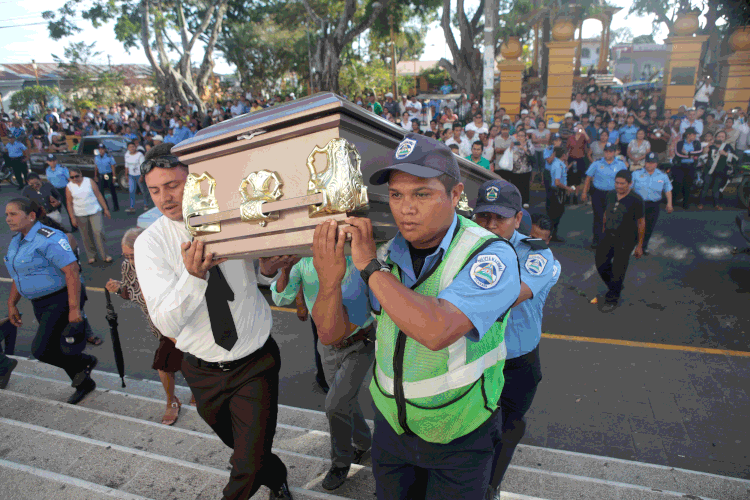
(703,93)
(477,126)
(133,160)
(414,108)
(464,146)
(237,109)
(219,319)
(579,106)
(691,121)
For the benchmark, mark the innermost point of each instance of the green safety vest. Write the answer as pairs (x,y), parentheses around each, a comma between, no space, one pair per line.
(446,394)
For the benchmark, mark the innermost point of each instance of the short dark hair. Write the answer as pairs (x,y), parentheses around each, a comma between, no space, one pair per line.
(625,174)
(456,125)
(448,182)
(453,146)
(131,142)
(559,152)
(542,221)
(32,175)
(477,143)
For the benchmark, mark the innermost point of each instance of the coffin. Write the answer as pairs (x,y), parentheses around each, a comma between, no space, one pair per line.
(260,183)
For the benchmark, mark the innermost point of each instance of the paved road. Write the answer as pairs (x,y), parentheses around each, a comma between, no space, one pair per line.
(682,408)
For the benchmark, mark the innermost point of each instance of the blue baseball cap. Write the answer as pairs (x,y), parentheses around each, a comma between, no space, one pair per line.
(499,197)
(556,136)
(652,158)
(610,147)
(420,156)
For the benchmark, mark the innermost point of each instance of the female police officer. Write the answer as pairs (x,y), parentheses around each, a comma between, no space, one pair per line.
(45,270)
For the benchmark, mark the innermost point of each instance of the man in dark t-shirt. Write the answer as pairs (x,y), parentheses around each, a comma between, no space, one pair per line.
(624,230)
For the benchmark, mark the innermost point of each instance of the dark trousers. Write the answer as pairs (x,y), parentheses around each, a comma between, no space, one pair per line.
(110,184)
(713,183)
(8,332)
(651,213)
(522,377)
(521,181)
(408,467)
(18,165)
(599,205)
(52,314)
(683,176)
(555,209)
(612,259)
(320,375)
(241,406)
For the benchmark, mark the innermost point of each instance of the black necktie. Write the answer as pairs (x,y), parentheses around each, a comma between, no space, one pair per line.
(218,296)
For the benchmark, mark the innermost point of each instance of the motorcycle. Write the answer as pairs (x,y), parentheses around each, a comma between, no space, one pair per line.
(744,227)
(741,176)
(6,173)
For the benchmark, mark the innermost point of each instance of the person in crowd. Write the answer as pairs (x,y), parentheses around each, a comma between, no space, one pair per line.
(167,358)
(579,106)
(638,148)
(345,363)
(593,129)
(448,116)
(600,181)
(539,273)
(715,173)
(732,133)
(652,185)
(596,148)
(415,126)
(104,174)
(390,105)
(133,160)
(659,137)
(691,121)
(578,146)
(540,138)
(39,137)
(624,230)
(45,195)
(45,271)
(687,152)
(523,158)
(464,147)
(434,450)
(17,157)
(703,93)
(567,127)
(8,335)
(414,108)
(614,134)
(627,134)
(503,141)
(221,322)
(557,191)
(85,205)
(476,155)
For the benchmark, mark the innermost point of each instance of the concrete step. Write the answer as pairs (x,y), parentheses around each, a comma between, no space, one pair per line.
(36,390)
(22,482)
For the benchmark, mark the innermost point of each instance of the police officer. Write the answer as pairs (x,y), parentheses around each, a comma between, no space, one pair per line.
(549,157)
(624,229)
(17,154)
(558,182)
(539,272)
(651,184)
(45,270)
(443,288)
(104,174)
(601,174)
(58,176)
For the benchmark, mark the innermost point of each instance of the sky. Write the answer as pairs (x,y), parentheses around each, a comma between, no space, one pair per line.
(23,35)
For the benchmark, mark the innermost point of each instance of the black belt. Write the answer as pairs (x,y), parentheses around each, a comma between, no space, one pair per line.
(50,295)
(652,203)
(365,334)
(224,366)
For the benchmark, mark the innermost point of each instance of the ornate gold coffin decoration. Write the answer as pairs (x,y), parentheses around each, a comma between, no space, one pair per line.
(264,186)
(340,183)
(463,204)
(194,203)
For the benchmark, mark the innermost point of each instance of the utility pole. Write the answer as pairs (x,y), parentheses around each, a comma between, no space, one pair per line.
(109,62)
(490,12)
(393,58)
(36,73)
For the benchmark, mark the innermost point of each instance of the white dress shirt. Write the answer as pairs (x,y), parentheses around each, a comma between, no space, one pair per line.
(579,108)
(176,299)
(464,147)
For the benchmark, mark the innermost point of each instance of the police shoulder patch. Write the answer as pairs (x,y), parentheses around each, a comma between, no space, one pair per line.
(46,232)
(535,264)
(65,245)
(486,271)
(555,270)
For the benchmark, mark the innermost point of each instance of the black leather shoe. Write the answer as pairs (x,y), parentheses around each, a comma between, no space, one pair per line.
(5,378)
(81,392)
(84,374)
(358,455)
(282,493)
(335,477)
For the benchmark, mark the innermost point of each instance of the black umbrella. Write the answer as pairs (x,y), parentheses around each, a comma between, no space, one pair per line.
(116,347)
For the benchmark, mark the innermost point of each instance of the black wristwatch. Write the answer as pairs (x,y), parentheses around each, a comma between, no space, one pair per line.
(374,266)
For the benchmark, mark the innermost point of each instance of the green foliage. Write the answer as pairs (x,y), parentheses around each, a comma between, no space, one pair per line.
(88,82)
(38,94)
(510,12)
(409,42)
(358,77)
(644,39)
(435,76)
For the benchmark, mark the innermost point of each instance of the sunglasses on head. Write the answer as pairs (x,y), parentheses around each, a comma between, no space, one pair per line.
(168,161)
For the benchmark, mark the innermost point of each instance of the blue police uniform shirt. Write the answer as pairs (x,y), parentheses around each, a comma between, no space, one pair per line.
(190,134)
(481,301)
(592,132)
(59,178)
(131,136)
(17,131)
(16,149)
(35,261)
(540,271)
(687,148)
(171,138)
(181,133)
(627,133)
(558,170)
(604,173)
(104,163)
(651,186)
(547,153)
(613,135)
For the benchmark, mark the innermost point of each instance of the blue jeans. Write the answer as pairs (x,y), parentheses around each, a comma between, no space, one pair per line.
(133,185)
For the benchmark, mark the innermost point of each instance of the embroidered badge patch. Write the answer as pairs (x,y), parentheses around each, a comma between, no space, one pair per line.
(491,193)
(65,245)
(405,148)
(535,264)
(487,270)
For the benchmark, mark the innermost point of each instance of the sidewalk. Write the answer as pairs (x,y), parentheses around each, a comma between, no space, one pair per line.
(674,408)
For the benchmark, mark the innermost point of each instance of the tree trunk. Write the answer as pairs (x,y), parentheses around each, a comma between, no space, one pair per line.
(546,27)
(466,68)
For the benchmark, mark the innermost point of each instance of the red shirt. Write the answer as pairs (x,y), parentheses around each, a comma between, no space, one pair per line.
(577,147)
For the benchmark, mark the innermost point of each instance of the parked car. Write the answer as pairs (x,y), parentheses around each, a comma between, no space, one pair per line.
(116,145)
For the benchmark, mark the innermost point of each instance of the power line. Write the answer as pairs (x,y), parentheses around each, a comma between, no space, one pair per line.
(21,25)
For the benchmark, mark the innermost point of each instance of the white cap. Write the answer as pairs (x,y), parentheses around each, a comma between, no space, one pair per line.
(568,115)
(652,108)
(524,111)
(389,94)
(157,137)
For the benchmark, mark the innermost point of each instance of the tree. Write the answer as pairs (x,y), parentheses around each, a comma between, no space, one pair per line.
(337,24)
(466,68)
(90,85)
(644,39)
(621,35)
(152,23)
(36,94)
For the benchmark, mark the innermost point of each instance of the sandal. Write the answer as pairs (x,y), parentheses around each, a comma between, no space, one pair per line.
(107,259)
(94,340)
(92,260)
(172,412)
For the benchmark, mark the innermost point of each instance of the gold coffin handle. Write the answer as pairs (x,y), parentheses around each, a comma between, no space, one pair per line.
(463,204)
(340,183)
(194,203)
(265,186)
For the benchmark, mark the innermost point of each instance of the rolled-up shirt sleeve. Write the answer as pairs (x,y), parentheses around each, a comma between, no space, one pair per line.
(172,294)
(289,293)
